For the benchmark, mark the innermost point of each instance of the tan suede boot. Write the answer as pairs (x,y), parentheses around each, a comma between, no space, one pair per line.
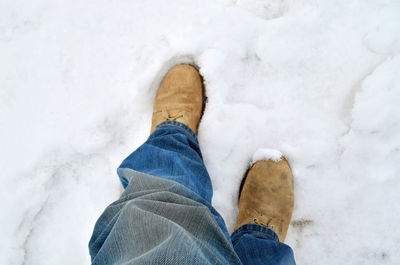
(180,97)
(267,196)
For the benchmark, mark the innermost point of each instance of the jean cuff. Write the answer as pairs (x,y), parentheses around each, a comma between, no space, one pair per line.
(255,230)
(185,128)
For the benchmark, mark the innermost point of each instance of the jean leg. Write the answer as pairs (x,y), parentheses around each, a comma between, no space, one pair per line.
(256,245)
(172,152)
(165,217)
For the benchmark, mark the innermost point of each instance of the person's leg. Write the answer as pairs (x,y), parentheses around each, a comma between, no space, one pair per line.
(265,209)
(257,244)
(165,217)
(172,152)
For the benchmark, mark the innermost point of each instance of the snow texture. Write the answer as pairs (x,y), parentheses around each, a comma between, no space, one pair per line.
(317,80)
(266,154)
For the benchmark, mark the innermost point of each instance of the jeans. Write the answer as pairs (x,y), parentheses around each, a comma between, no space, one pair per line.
(165,215)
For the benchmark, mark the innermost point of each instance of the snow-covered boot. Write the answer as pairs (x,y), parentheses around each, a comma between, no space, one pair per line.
(267,196)
(180,97)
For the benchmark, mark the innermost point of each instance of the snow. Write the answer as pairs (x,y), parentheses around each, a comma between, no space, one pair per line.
(317,80)
(266,154)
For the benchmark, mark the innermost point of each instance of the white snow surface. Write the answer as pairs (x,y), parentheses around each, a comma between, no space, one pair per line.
(317,80)
(266,154)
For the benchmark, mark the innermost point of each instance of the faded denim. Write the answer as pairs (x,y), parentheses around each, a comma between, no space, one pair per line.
(165,216)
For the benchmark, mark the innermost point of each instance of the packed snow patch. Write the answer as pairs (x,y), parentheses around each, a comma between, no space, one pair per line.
(266,154)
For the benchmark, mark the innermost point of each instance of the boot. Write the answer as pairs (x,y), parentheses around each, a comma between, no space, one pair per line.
(180,97)
(267,196)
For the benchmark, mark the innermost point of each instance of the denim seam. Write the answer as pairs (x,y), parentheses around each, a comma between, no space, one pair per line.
(243,229)
(180,125)
(266,233)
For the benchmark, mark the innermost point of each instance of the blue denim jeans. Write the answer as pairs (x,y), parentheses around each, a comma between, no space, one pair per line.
(165,216)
